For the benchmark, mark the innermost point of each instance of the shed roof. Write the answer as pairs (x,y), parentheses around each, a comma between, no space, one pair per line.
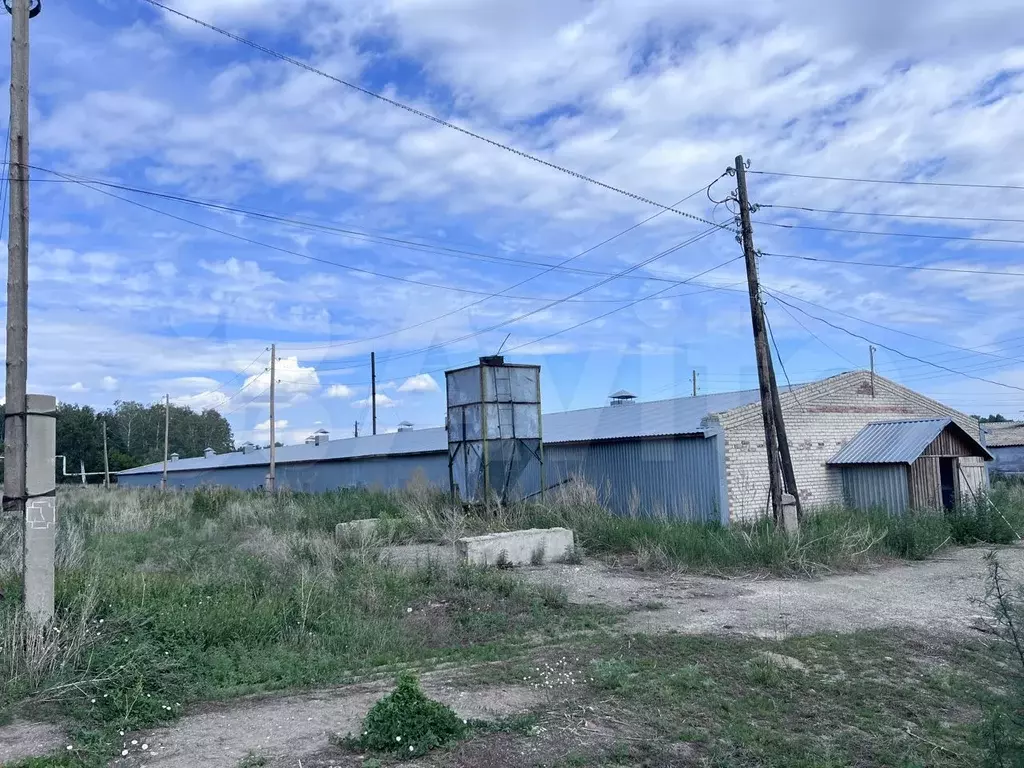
(658,418)
(897,442)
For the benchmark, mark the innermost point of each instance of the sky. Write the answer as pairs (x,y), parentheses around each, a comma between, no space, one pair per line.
(336,224)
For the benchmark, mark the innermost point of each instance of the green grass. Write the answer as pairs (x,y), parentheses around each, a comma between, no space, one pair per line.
(882,698)
(164,600)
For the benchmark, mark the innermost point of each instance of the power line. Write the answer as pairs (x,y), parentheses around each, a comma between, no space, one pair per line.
(885,181)
(706,289)
(4,182)
(426,115)
(896,330)
(964,238)
(933,217)
(385,239)
(886,265)
(613,276)
(308,257)
(778,354)
(894,349)
(817,337)
(524,315)
(247,403)
(240,373)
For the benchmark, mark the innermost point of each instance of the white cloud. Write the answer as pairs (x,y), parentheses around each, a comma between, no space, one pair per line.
(422,382)
(109,383)
(264,426)
(383,401)
(342,391)
(78,387)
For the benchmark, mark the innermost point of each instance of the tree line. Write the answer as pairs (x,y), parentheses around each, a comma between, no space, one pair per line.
(135,434)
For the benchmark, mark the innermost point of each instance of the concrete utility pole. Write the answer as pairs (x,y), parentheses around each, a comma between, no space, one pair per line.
(871,353)
(40,506)
(167,433)
(373,389)
(788,474)
(764,374)
(272,474)
(15,498)
(81,469)
(106,459)
(694,382)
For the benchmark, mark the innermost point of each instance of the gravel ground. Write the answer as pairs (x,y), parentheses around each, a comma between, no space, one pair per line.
(937,594)
(20,739)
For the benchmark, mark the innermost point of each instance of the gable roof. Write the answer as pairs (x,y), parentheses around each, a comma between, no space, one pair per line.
(898,442)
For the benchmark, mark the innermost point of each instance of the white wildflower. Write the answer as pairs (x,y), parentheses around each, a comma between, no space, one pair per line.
(145,746)
(134,742)
(70,747)
(124,753)
(398,738)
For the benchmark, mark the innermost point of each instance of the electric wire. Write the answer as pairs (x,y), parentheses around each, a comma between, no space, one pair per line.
(895,350)
(922,235)
(927,217)
(385,239)
(420,113)
(896,330)
(517,318)
(886,265)
(887,181)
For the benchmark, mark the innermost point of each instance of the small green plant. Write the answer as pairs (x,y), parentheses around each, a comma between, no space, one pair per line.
(252,760)
(537,556)
(762,671)
(503,562)
(408,723)
(573,555)
(610,674)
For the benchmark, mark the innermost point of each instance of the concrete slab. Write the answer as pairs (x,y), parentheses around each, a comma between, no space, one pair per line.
(346,534)
(530,547)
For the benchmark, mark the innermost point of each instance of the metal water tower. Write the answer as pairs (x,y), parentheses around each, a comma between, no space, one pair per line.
(495,448)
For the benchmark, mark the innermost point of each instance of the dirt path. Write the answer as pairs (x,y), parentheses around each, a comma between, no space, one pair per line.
(287,729)
(937,594)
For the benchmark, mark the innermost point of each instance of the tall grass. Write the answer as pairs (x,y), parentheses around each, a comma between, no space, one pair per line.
(168,598)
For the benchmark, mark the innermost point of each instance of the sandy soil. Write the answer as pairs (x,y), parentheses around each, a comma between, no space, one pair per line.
(938,594)
(19,740)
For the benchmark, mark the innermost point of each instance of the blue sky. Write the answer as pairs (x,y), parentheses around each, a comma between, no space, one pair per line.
(654,96)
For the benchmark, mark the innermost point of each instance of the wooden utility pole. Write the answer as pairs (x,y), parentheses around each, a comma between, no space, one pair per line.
(694,382)
(355,429)
(373,389)
(871,353)
(764,363)
(167,436)
(272,474)
(106,459)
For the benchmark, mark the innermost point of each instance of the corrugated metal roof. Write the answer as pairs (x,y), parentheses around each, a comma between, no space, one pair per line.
(678,416)
(891,442)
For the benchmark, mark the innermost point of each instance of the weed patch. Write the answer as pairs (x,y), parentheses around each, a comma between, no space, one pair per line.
(408,723)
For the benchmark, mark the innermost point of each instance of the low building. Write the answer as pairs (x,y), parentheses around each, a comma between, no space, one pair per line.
(695,458)
(1005,440)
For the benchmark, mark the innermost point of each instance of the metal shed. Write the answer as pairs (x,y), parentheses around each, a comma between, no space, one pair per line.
(913,464)
(1005,440)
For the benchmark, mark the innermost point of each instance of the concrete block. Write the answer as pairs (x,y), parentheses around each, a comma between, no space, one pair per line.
(347,533)
(519,547)
(789,519)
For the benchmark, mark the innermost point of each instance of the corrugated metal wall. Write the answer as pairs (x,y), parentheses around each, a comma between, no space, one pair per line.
(877,486)
(672,477)
(381,472)
(925,489)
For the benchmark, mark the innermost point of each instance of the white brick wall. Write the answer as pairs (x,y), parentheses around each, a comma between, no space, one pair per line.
(820,419)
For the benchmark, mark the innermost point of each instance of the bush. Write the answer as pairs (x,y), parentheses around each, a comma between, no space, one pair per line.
(917,535)
(408,723)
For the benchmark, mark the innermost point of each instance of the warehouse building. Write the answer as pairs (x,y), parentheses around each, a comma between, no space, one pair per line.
(695,458)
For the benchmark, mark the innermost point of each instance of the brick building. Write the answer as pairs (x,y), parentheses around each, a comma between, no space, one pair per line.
(694,458)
